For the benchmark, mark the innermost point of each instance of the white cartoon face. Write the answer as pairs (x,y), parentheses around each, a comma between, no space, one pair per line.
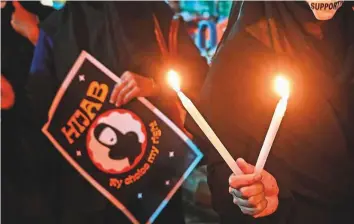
(108,136)
(324,9)
(116,141)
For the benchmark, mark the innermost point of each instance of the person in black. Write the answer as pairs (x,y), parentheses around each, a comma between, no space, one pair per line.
(122,36)
(25,189)
(312,158)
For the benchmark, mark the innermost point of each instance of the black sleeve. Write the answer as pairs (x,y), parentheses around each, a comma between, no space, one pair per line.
(37,8)
(193,69)
(198,136)
(40,91)
(233,16)
(42,83)
(188,62)
(191,66)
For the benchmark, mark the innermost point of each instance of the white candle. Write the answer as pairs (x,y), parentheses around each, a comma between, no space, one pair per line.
(282,87)
(204,126)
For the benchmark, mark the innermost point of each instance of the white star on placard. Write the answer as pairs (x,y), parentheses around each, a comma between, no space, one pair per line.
(167,182)
(140,195)
(78,153)
(171,154)
(82,78)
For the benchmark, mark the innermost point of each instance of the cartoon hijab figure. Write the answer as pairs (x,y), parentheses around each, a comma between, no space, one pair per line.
(116,141)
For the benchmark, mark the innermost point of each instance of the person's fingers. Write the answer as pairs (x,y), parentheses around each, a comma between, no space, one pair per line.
(117,88)
(13,23)
(234,192)
(270,183)
(238,181)
(254,211)
(131,94)
(270,207)
(127,75)
(124,80)
(123,92)
(248,211)
(186,132)
(255,200)
(261,206)
(244,166)
(241,202)
(252,190)
(13,18)
(251,202)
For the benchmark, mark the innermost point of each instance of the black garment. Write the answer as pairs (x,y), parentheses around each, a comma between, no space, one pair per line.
(312,156)
(25,196)
(121,36)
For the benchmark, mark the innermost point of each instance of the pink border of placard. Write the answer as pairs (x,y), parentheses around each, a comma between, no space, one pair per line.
(85,56)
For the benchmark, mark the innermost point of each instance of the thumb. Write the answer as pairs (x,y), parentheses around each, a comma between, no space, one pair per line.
(244,166)
(17,5)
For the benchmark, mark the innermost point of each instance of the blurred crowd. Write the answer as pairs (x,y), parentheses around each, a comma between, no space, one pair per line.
(29,188)
(309,174)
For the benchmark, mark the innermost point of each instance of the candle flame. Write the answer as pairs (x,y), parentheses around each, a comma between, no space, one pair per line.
(173,80)
(282,86)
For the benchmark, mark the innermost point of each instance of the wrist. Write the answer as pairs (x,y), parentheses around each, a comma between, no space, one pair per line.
(33,31)
(33,35)
(155,87)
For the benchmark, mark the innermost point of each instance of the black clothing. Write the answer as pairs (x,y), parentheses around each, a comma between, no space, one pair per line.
(312,157)
(121,36)
(25,196)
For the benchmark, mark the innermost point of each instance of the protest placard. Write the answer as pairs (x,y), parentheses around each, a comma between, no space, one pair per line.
(134,155)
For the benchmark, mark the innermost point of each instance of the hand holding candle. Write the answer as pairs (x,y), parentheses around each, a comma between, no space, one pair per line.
(174,81)
(255,194)
(246,189)
(268,201)
(282,87)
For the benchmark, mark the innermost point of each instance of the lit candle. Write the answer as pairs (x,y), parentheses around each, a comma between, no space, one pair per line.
(174,81)
(282,87)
